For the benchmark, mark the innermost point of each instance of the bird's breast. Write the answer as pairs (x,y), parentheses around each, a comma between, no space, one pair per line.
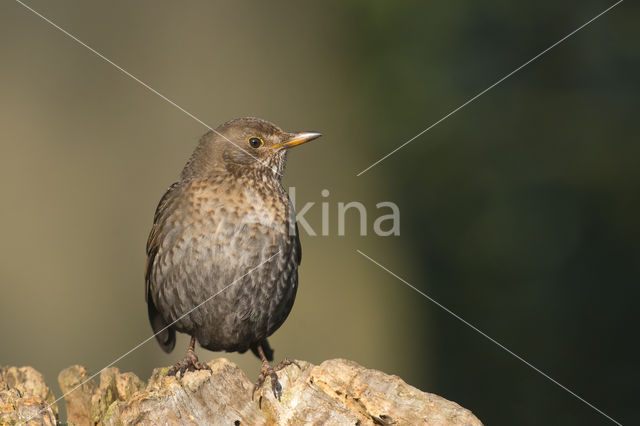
(233,242)
(235,215)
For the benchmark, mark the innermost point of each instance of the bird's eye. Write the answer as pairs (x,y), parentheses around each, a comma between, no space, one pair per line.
(255,142)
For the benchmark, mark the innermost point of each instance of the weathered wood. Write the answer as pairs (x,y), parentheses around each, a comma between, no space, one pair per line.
(24,396)
(335,392)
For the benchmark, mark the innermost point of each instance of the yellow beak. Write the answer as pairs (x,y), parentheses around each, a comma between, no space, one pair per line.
(298,139)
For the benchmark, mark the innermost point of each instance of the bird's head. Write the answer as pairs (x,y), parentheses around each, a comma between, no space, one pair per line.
(244,145)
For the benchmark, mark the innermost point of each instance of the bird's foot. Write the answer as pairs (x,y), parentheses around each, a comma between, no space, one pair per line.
(285,362)
(268,371)
(188,363)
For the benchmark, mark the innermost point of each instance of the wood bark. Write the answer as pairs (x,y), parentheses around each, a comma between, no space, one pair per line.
(335,392)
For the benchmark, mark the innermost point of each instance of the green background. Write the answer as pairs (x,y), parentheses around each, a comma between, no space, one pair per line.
(520,213)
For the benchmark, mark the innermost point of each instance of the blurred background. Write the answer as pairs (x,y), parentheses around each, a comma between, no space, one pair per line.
(520,213)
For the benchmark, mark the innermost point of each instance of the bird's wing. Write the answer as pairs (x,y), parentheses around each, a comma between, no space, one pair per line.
(165,334)
(298,246)
(152,241)
(296,237)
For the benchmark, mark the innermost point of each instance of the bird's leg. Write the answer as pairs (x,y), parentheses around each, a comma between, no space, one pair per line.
(189,362)
(267,371)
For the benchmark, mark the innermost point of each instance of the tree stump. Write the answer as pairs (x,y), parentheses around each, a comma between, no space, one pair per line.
(335,392)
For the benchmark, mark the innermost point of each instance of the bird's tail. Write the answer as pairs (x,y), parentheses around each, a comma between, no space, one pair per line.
(166,336)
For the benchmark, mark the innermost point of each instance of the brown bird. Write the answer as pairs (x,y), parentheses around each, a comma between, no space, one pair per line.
(223,253)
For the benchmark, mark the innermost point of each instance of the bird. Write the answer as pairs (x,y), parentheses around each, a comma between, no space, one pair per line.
(224,250)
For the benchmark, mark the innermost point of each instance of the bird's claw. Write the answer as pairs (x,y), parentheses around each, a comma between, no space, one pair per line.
(189,363)
(285,362)
(268,371)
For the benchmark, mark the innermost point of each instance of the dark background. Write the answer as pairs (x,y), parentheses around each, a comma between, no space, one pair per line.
(520,212)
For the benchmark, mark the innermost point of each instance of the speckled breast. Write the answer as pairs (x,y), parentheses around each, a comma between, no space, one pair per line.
(228,261)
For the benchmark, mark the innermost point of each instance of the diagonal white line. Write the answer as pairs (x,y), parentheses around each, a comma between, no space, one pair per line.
(142,83)
(468,324)
(490,87)
(154,335)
